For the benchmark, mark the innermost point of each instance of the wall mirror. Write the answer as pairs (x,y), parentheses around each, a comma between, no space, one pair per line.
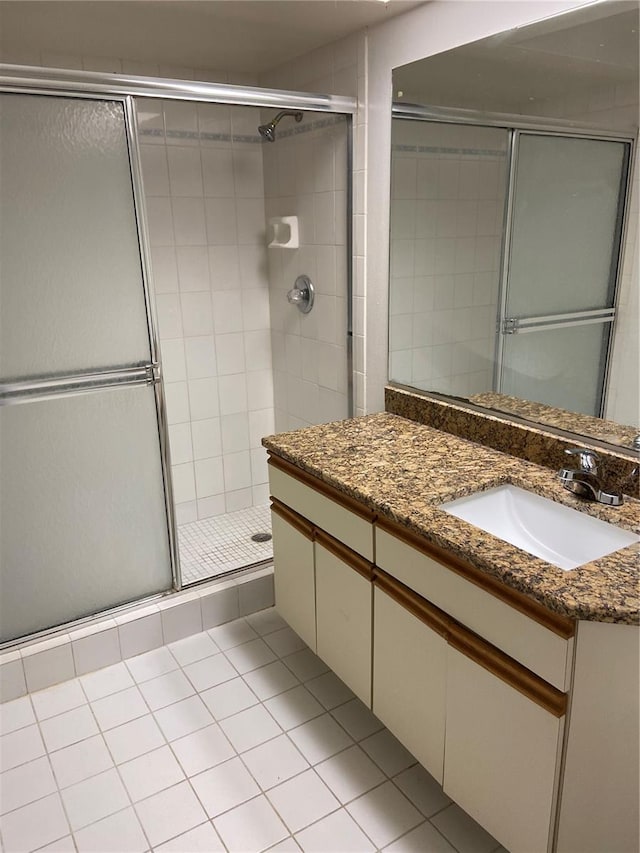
(514,219)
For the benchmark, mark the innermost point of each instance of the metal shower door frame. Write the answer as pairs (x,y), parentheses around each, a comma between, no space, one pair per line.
(523,325)
(21,79)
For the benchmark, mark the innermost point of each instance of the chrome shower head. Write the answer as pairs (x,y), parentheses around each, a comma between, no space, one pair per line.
(268,131)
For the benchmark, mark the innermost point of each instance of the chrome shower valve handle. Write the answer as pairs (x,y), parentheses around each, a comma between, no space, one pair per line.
(302,294)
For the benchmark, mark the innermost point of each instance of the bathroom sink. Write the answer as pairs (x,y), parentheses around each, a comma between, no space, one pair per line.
(556,533)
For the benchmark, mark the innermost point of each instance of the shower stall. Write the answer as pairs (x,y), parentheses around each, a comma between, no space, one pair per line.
(147,343)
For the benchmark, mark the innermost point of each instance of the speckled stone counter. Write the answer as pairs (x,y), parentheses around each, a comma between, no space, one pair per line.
(404,470)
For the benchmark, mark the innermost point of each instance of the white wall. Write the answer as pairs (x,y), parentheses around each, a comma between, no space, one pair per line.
(435,27)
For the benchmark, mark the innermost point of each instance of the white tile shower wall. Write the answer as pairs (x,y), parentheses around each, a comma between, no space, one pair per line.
(306,174)
(339,68)
(447,204)
(204,190)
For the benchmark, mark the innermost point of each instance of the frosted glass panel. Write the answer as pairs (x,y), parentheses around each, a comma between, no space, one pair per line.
(559,367)
(82,516)
(564,225)
(71,293)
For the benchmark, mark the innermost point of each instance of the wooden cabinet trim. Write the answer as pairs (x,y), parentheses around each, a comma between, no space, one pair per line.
(345,554)
(508,670)
(563,626)
(296,521)
(422,609)
(323,488)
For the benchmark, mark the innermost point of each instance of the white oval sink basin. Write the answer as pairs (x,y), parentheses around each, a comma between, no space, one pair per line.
(549,530)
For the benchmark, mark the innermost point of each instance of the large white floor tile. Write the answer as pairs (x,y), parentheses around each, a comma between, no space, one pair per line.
(294,707)
(80,761)
(150,773)
(34,825)
(250,728)
(61,845)
(250,655)
(423,839)
(285,641)
(270,680)
(357,719)
(202,749)
(302,800)
(224,786)
(119,708)
(183,717)
(422,789)
(134,738)
(26,783)
(209,672)
(170,813)
(16,715)
(232,634)
(106,681)
(151,664)
(94,798)
(251,827)
(384,814)
(202,839)
(56,700)
(336,833)
(350,773)
(305,665)
(20,746)
(266,621)
(119,832)
(320,738)
(68,728)
(229,698)
(274,762)
(166,689)
(329,690)
(387,752)
(193,648)
(462,831)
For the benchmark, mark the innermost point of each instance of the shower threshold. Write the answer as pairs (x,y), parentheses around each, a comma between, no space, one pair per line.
(216,546)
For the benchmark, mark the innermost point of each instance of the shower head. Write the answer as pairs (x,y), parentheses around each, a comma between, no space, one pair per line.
(268,131)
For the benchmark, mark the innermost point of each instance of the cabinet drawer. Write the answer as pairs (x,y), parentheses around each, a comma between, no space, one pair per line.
(534,645)
(502,754)
(336,514)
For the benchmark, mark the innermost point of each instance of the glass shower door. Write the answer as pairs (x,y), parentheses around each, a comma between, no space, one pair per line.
(83,519)
(559,297)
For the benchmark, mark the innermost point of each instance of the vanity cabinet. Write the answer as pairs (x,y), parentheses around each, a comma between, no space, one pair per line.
(472,676)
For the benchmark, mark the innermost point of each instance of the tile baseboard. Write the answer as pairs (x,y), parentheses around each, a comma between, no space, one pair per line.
(105,641)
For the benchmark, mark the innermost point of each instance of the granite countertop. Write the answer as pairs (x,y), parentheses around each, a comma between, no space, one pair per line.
(403,470)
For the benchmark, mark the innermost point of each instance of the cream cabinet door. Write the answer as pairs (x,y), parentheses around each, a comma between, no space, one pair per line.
(294,574)
(409,680)
(343,616)
(501,756)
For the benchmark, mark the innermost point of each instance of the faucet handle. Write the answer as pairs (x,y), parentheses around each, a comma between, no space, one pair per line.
(587,459)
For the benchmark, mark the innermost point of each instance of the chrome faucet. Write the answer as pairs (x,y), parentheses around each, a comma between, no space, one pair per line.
(584,480)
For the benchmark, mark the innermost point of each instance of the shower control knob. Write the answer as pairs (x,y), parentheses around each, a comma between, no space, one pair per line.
(302,294)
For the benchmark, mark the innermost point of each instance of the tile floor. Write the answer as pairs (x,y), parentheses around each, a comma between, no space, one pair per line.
(235,739)
(213,546)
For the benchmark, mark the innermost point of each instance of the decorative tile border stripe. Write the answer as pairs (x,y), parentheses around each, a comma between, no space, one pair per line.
(284,133)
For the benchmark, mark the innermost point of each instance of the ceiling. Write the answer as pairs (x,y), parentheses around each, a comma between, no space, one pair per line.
(566,56)
(250,36)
